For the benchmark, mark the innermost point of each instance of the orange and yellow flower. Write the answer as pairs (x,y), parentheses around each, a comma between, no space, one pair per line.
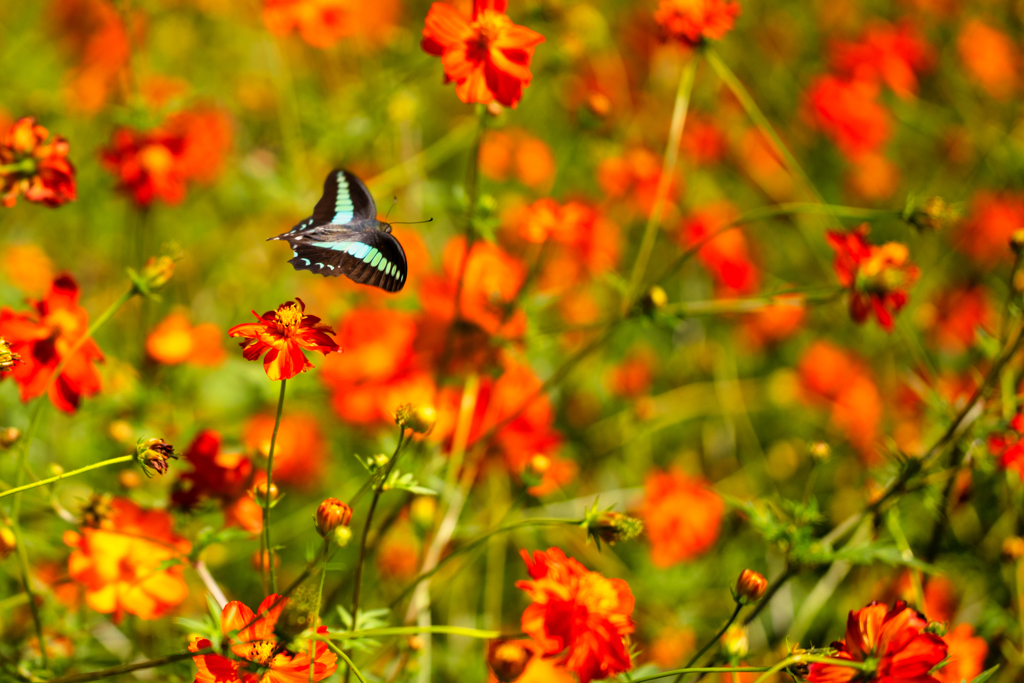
(282,335)
(727,255)
(486,56)
(34,168)
(682,516)
(578,615)
(691,22)
(891,54)
(892,639)
(175,340)
(259,657)
(321,23)
(43,337)
(132,562)
(847,111)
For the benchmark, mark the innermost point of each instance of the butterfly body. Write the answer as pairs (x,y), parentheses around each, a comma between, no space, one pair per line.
(344,237)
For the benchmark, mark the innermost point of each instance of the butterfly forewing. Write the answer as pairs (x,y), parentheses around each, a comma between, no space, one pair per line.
(345,200)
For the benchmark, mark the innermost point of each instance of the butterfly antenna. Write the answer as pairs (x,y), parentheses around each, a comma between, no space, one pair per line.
(395,201)
(429,220)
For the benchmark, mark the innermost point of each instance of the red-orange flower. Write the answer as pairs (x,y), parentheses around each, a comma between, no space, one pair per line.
(43,337)
(127,563)
(487,56)
(282,334)
(577,614)
(848,112)
(259,656)
(95,35)
(682,516)
(636,175)
(693,21)
(893,639)
(321,23)
(1008,446)
(726,256)
(32,167)
(519,154)
(958,313)
(967,654)
(891,54)
(990,56)
(223,477)
(299,452)
(877,277)
(985,233)
(174,340)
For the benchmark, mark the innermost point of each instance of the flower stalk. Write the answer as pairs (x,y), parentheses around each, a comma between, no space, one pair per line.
(267,500)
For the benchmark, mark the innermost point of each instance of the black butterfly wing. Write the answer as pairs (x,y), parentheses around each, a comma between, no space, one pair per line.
(364,254)
(345,200)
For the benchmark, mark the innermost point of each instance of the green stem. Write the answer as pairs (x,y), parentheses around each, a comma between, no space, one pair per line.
(413,630)
(811,659)
(426,159)
(700,670)
(795,298)
(668,168)
(270,480)
(341,653)
(128,668)
(475,543)
(66,475)
(715,639)
(27,165)
(319,597)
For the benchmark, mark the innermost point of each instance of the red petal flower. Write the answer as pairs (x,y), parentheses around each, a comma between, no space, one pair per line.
(282,335)
(220,476)
(41,172)
(693,21)
(486,56)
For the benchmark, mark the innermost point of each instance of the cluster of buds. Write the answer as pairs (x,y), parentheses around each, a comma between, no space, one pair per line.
(153,455)
(508,658)
(750,587)
(610,527)
(934,214)
(97,510)
(8,358)
(265,494)
(332,519)
(420,419)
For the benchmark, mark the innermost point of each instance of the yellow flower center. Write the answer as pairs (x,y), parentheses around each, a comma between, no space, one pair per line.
(489,26)
(261,651)
(156,158)
(289,317)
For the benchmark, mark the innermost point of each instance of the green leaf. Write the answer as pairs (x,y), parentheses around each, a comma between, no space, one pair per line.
(985,675)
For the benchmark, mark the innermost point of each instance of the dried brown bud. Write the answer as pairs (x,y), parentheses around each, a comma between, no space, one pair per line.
(750,587)
(508,658)
(332,514)
(8,543)
(154,455)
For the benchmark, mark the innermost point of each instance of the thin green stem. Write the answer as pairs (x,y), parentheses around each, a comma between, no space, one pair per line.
(476,543)
(700,670)
(413,630)
(128,668)
(341,653)
(811,659)
(27,165)
(67,475)
(266,500)
(796,298)
(668,167)
(714,639)
(319,597)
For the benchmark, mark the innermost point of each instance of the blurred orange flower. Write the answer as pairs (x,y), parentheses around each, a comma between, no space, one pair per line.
(321,23)
(967,654)
(27,267)
(635,175)
(299,453)
(691,22)
(577,614)
(681,515)
(892,54)
(703,143)
(94,33)
(633,376)
(32,167)
(775,322)
(958,313)
(990,57)
(503,153)
(283,334)
(847,111)
(892,639)
(1008,446)
(726,256)
(873,176)
(174,340)
(398,557)
(223,477)
(877,277)
(256,648)
(985,233)
(840,379)
(582,242)
(133,562)
(487,56)
(43,337)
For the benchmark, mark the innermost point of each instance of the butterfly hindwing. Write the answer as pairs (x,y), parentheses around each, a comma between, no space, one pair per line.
(364,254)
(345,200)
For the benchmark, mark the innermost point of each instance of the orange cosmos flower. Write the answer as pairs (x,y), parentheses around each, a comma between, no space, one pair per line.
(516,152)
(691,22)
(93,32)
(300,451)
(41,172)
(774,322)
(174,340)
(487,57)
(703,142)
(398,557)
(877,277)
(893,639)
(891,54)
(635,175)
(967,654)
(577,614)
(990,57)
(43,337)
(27,267)
(321,23)
(847,111)
(726,256)
(958,313)
(581,241)
(985,233)
(259,657)
(682,516)
(283,334)
(873,176)
(131,563)
(224,477)
(1008,446)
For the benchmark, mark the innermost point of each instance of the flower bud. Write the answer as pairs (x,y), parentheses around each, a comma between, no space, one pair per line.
(8,543)
(535,469)
(8,359)
(1017,241)
(934,214)
(97,510)
(1013,548)
(420,419)
(735,643)
(378,461)
(937,628)
(422,511)
(260,492)
(342,535)
(750,587)
(820,451)
(508,658)
(612,527)
(332,514)
(153,456)
(157,272)
(655,298)
(9,436)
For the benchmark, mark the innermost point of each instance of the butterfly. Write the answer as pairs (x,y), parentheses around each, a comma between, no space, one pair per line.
(343,236)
